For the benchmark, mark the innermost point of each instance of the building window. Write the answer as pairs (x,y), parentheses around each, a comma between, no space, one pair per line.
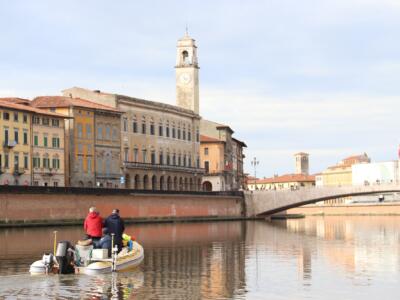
(184,160)
(153,157)
(45,141)
(160,130)
(35,120)
(167,131)
(6,116)
(144,127)
(125,124)
(6,161)
(205,151)
(197,135)
(126,154)
(46,121)
(168,159)
(190,161)
(46,162)
(89,150)
(55,183)
(89,165)
(36,162)
(88,131)
(184,133)
(100,132)
(179,160)
(25,137)
(79,128)
(108,132)
(173,131)
(108,165)
(5,136)
(134,126)
(16,161)
(207,166)
(15,117)
(99,164)
(25,118)
(198,162)
(161,158)
(135,154)
(56,142)
(36,140)
(26,161)
(174,159)
(189,135)
(144,155)
(152,128)
(56,163)
(55,123)
(179,133)
(16,135)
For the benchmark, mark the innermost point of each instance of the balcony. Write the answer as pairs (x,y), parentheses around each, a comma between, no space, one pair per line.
(169,168)
(9,144)
(18,171)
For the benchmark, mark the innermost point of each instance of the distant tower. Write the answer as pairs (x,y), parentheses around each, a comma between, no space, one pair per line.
(187,74)
(301,161)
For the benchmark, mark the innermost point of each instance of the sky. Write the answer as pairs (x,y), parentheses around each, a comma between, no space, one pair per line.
(317,76)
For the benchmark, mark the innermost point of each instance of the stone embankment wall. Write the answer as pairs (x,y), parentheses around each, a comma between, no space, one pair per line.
(364,209)
(39,206)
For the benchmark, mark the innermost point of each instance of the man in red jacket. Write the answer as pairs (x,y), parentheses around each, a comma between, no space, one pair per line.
(93,225)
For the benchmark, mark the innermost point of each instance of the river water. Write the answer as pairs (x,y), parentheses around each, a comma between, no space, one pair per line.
(311,258)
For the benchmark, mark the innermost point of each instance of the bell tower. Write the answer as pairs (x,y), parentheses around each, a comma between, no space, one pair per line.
(187,74)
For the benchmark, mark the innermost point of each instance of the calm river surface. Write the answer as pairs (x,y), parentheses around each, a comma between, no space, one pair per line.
(311,258)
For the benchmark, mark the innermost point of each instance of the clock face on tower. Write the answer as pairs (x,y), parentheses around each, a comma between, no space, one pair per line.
(185,78)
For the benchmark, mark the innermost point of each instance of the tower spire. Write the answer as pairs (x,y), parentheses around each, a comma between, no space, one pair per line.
(186,30)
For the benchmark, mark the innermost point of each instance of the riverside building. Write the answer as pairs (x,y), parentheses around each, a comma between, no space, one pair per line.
(160,142)
(92,142)
(31,145)
(222,157)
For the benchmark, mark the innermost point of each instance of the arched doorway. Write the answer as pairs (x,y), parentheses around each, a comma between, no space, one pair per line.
(145,182)
(128,181)
(207,186)
(161,183)
(154,182)
(181,184)
(175,183)
(137,182)
(169,183)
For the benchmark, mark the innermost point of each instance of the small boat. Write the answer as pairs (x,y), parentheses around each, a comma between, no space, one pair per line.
(86,260)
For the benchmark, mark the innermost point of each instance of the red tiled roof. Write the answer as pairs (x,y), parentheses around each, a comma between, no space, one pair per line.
(207,139)
(61,101)
(23,107)
(288,178)
(16,100)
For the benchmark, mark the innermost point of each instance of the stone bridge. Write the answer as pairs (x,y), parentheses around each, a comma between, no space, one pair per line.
(264,203)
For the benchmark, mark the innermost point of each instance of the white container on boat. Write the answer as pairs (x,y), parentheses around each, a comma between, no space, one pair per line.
(99,253)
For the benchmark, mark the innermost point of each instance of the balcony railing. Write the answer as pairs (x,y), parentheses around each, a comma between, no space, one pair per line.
(149,166)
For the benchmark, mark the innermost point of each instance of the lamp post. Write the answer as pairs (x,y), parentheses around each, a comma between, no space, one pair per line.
(255,163)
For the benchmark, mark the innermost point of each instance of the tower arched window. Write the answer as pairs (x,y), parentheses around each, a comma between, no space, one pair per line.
(185,57)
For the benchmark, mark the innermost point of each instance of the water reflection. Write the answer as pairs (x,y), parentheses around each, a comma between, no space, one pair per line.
(313,258)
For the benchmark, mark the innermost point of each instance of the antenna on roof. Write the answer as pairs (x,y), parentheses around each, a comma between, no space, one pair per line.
(186,30)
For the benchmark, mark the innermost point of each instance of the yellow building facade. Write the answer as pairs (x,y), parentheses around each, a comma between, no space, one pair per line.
(15,153)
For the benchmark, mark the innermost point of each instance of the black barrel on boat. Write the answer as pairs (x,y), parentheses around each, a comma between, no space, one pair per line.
(65,258)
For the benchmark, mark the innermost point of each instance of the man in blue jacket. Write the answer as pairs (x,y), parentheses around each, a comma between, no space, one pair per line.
(115,225)
(104,242)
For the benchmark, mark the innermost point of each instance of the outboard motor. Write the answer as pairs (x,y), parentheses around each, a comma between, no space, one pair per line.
(48,262)
(65,257)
